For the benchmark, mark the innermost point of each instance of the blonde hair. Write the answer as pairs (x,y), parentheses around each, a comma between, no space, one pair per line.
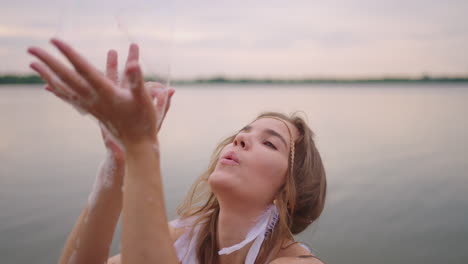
(300,200)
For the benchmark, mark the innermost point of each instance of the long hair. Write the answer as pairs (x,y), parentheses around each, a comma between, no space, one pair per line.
(300,200)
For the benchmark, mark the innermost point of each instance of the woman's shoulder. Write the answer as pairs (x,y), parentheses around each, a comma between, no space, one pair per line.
(297,260)
(295,252)
(175,232)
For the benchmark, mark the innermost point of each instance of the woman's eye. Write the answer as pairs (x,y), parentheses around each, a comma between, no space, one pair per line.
(269,144)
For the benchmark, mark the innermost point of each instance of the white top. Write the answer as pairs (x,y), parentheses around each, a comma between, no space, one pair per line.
(186,248)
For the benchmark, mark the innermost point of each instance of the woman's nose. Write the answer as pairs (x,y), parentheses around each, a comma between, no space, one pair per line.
(240,140)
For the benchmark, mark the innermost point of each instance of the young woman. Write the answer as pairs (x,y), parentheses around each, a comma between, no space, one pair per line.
(263,185)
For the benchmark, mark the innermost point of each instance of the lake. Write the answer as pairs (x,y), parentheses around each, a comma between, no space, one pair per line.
(395,156)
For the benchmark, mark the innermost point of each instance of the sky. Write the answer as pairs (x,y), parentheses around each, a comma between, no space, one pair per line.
(257,38)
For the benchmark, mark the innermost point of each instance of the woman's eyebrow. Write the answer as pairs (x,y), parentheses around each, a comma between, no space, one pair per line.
(267,131)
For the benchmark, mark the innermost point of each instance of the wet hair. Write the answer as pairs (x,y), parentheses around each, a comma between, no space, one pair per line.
(300,200)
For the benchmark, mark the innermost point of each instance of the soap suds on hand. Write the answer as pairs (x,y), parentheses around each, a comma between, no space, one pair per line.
(104,180)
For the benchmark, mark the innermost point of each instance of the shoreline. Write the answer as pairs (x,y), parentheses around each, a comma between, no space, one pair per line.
(35,79)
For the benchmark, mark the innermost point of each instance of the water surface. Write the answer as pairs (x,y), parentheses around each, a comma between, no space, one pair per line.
(395,157)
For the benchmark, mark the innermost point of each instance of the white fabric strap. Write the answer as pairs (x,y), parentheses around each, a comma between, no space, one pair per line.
(184,245)
(265,223)
(186,248)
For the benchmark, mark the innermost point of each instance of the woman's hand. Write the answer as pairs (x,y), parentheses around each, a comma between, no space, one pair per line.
(126,110)
(155,90)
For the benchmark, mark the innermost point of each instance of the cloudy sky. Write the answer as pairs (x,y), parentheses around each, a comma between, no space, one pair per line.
(258,38)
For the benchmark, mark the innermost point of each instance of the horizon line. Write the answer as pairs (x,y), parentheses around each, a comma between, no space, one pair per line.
(35,79)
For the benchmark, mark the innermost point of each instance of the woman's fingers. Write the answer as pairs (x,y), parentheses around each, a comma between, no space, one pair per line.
(57,93)
(133,55)
(58,88)
(171,93)
(156,90)
(55,85)
(163,103)
(68,76)
(153,88)
(112,66)
(99,83)
(160,105)
(66,99)
(135,82)
(167,100)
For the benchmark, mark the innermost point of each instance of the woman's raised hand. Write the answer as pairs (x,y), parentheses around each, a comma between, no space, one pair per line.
(125,109)
(155,90)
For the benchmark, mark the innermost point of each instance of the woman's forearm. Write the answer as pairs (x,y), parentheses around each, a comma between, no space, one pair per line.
(145,234)
(91,237)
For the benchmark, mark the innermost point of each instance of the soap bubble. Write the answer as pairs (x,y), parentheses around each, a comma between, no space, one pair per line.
(93,27)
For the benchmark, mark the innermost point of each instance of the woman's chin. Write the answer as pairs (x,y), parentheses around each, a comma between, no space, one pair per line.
(222,182)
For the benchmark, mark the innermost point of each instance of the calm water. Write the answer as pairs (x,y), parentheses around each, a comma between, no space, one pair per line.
(395,156)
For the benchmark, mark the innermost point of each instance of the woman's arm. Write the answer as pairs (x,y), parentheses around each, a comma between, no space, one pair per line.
(145,233)
(91,237)
(175,233)
(133,119)
(92,234)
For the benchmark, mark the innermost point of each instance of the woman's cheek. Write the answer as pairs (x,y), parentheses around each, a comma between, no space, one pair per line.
(273,166)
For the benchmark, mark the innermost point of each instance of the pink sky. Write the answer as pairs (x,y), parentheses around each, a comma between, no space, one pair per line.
(256,38)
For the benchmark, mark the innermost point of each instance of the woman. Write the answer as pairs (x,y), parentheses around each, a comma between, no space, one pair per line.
(264,184)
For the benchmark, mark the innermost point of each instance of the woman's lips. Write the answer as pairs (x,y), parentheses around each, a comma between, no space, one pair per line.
(228,161)
(230,158)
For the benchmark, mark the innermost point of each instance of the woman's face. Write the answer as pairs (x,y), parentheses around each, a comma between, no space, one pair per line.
(263,151)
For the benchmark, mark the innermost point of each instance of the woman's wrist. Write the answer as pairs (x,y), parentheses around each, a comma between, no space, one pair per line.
(117,158)
(142,161)
(143,146)
(109,178)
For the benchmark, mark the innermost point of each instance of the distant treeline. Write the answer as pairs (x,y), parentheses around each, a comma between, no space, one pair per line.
(35,79)
(20,79)
(319,81)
